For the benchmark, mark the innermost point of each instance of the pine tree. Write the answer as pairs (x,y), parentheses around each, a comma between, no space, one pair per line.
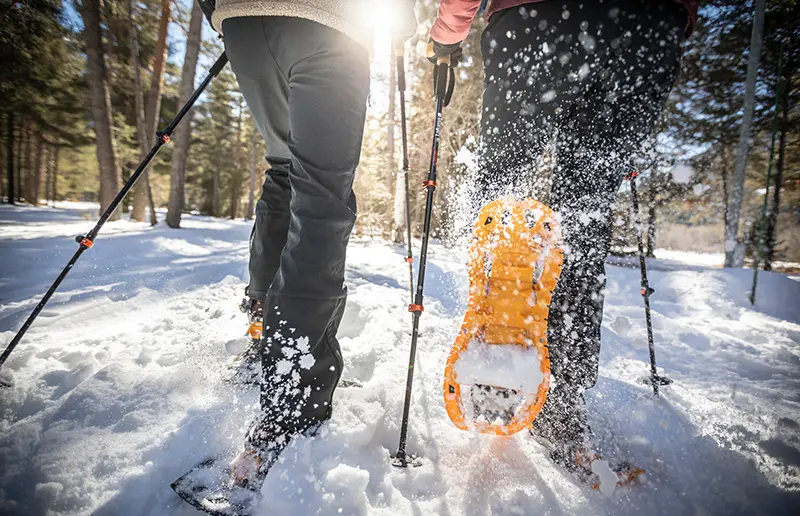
(182,136)
(100,103)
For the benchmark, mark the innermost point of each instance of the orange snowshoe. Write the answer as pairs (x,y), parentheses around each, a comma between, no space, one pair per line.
(501,354)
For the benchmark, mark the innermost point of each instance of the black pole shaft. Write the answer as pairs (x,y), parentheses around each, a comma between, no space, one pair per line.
(401,87)
(416,307)
(87,241)
(645,287)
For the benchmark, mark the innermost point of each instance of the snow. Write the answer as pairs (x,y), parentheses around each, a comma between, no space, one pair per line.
(509,366)
(682,173)
(607,477)
(119,387)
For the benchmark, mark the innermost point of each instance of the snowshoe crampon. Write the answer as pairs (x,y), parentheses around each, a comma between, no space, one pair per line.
(209,487)
(500,356)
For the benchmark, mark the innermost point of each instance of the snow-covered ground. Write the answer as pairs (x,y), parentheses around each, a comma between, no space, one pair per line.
(120,386)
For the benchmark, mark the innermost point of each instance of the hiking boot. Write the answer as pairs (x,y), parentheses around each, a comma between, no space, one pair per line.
(254,308)
(245,468)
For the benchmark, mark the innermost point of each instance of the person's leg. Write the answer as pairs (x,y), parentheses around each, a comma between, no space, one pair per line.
(538,65)
(535,66)
(267,93)
(606,128)
(269,230)
(328,78)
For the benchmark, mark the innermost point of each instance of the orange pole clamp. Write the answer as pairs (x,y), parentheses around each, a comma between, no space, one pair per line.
(410,259)
(429,182)
(416,308)
(633,175)
(164,137)
(85,242)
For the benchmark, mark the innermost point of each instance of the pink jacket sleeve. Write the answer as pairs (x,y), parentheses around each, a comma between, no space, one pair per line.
(455,17)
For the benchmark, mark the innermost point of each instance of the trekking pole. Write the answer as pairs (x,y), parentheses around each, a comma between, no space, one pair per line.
(443,90)
(761,229)
(87,241)
(401,88)
(646,290)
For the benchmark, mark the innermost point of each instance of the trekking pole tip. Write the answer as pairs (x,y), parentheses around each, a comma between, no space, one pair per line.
(401,460)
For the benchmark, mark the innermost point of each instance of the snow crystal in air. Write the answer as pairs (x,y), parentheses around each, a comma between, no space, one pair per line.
(307,361)
(548,96)
(682,173)
(700,189)
(283,367)
(466,157)
(587,41)
(565,14)
(621,326)
(303,345)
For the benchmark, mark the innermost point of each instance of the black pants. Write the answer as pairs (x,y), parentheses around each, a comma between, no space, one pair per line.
(585,82)
(306,86)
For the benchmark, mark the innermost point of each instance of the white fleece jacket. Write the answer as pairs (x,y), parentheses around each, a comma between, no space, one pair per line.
(347,16)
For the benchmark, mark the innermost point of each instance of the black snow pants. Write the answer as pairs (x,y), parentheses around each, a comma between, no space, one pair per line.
(584,82)
(306,86)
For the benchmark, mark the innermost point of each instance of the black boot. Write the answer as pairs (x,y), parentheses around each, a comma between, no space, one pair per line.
(247,366)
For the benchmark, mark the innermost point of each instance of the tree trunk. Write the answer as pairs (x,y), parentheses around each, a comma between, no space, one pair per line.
(182,136)
(215,189)
(772,221)
(24,172)
(36,174)
(20,156)
(56,162)
(3,159)
(235,191)
(143,194)
(734,257)
(100,104)
(48,169)
(236,182)
(141,127)
(399,208)
(10,156)
(251,198)
(725,188)
(393,173)
(2,178)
